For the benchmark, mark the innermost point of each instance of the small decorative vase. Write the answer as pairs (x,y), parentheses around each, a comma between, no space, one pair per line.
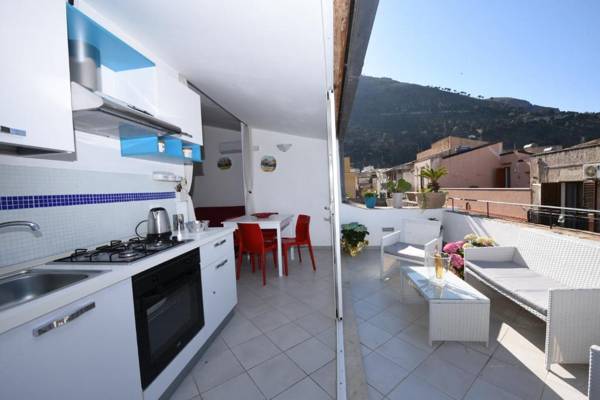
(370,202)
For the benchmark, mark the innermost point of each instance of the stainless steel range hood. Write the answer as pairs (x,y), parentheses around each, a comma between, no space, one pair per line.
(95,112)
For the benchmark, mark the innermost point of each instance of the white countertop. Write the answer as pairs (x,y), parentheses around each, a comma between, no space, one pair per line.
(20,314)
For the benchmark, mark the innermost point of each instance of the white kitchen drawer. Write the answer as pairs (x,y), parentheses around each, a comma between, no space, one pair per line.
(216,250)
(218,291)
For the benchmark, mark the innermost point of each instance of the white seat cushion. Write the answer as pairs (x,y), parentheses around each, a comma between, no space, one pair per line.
(406,251)
(517,280)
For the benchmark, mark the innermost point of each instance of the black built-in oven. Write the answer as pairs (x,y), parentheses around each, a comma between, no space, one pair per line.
(168,311)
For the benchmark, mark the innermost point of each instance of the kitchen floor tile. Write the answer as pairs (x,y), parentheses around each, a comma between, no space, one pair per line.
(295,310)
(315,323)
(328,338)
(303,390)
(238,330)
(288,335)
(240,387)
(310,355)
(269,320)
(275,375)
(186,390)
(216,371)
(255,351)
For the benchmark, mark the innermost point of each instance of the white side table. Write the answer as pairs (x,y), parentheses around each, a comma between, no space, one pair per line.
(457,311)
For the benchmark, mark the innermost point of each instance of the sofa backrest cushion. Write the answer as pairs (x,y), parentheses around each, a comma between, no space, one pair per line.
(571,261)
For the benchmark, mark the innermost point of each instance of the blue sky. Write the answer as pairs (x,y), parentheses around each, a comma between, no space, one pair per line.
(544,51)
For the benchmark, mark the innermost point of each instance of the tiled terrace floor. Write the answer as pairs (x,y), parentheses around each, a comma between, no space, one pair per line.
(280,342)
(399,364)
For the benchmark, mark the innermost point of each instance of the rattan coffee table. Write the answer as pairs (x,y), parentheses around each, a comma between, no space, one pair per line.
(457,311)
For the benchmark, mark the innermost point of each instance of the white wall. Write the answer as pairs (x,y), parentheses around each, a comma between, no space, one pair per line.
(299,184)
(375,219)
(216,187)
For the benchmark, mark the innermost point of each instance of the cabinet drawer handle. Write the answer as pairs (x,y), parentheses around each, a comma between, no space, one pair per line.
(13,131)
(222,242)
(219,265)
(57,323)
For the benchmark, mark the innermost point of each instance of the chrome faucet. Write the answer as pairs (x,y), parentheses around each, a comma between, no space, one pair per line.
(31,225)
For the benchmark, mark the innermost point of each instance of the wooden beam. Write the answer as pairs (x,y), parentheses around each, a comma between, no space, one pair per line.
(341,25)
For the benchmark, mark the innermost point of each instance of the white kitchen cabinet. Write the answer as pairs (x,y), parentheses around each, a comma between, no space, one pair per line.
(35,108)
(218,284)
(179,105)
(91,357)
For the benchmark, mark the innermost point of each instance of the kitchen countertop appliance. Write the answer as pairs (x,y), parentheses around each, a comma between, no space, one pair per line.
(159,227)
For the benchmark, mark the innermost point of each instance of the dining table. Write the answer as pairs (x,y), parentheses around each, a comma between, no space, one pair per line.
(277,222)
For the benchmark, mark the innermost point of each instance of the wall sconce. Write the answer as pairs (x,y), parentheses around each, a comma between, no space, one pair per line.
(284,147)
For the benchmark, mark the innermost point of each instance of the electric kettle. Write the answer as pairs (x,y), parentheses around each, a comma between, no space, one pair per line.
(159,227)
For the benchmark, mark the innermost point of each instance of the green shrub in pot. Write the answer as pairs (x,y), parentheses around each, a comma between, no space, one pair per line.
(353,238)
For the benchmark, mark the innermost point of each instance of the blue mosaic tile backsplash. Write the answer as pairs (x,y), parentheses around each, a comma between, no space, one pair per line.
(60,200)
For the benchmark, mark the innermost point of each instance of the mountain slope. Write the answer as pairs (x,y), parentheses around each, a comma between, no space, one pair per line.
(391,121)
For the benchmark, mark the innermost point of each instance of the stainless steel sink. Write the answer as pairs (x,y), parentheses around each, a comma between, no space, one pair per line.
(28,285)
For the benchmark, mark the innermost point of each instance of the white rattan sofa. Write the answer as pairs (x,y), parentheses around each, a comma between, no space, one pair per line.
(555,278)
(410,242)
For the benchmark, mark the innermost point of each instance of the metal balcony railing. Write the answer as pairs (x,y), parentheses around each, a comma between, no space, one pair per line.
(552,216)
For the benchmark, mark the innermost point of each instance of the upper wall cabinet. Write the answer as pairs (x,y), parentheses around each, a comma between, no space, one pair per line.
(179,105)
(35,105)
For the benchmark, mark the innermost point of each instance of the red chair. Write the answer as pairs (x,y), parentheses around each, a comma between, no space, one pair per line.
(252,242)
(302,239)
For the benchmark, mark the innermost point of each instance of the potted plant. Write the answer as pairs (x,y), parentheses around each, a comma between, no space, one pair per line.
(353,238)
(397,189)
(370,198)
(431,197)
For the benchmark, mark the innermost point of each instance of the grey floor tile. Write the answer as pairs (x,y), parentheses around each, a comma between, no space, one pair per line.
(483,390)
(326,377)
(402,353)
(269,320)
(186,390)
(315,323)
(305,389)
(216,347)
(389,322)
(382,373)
(276,375)
(371,336)
(366,310)
(288,335)
(295,310)
(415,388)
(240,387)
(418,336)
(328,338)
(239,330)
(445,377)
(310,355)
(255,351)
(514,379)
(373,393)
(462,356)
(215,371)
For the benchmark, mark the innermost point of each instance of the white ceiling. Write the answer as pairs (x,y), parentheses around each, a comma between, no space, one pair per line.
(262,60)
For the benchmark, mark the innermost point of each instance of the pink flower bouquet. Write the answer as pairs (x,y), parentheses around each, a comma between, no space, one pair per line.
(456,252)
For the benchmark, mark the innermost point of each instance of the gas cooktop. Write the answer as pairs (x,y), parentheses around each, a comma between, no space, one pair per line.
(118,251)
